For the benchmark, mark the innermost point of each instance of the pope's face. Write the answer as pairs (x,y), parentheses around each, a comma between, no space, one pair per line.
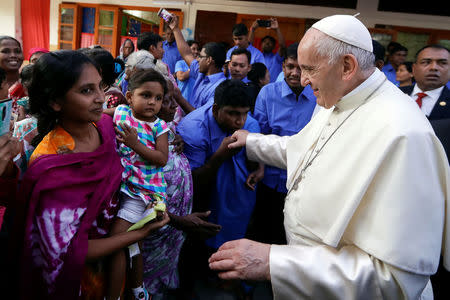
(324,78)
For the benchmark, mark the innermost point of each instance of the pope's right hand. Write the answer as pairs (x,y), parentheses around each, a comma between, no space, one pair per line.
(241,137)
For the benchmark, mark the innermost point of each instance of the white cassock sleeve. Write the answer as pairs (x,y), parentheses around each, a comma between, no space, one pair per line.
(323,272)
(267,149)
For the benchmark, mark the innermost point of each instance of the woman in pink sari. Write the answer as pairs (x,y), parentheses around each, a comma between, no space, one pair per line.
(69,189)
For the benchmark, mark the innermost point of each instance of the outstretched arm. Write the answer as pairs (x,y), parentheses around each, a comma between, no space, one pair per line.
(281,41)
(183,47)
(267,149)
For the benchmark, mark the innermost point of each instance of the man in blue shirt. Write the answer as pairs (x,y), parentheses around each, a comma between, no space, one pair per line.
(239,65)
(223,182)
(216,169)
(282,108)
(171,54)
(184,80)
(273,60)
(240,38)
(397,56)
(207,71)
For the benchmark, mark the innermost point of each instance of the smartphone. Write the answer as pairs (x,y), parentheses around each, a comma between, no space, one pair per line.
(5,115)
(264,23)
(167,16)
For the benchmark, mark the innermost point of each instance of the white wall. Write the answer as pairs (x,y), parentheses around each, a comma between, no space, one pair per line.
(10,18)
(367,9)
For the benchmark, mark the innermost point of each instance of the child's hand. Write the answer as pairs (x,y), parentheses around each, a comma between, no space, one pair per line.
(128,135)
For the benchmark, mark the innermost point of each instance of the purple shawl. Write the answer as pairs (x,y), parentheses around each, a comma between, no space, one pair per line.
(71,198)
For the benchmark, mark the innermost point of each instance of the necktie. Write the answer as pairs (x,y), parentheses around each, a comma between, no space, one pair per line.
(419,98)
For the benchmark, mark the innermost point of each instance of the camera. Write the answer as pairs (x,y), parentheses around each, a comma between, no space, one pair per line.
(264,23)
(167,16)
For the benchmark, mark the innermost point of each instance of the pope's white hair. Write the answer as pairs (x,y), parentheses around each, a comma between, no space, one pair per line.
(143,59)
(333,49)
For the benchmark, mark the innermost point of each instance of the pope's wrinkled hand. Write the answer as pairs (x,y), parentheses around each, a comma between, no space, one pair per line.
(242,259)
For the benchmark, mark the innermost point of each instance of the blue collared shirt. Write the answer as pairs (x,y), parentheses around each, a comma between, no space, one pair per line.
(186,85)
(171,55)
(390,73)
(231,203)
(273,64)
(280,77)
(204,86)
(257,56)
(278,112)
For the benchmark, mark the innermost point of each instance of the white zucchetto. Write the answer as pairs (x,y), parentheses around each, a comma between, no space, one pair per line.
(347,29)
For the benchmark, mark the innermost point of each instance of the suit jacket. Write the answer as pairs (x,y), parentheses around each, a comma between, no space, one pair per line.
(439,111)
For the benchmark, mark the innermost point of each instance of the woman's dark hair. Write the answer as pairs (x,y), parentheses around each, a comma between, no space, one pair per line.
(257,72)
(54,74)
(232,92)
(7,37)
(217,52)
(106,62)
(140,76)
(408,66)
(26,75)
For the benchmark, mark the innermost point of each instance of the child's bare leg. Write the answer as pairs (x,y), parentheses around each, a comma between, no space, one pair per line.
(118,263)
(137,269)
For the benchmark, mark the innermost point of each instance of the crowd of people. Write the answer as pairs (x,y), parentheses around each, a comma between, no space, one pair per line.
(315,170)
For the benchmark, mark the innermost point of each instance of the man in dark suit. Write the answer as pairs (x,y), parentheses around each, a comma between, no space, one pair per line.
(431,72)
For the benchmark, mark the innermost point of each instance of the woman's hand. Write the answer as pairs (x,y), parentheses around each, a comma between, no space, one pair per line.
(9,148)
(151,227)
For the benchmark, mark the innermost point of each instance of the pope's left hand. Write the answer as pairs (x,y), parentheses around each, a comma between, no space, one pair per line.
(242,259)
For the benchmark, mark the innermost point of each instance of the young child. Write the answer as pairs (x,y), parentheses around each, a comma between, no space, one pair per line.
(144,151)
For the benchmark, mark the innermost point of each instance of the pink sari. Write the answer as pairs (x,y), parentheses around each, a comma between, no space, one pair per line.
(71,198)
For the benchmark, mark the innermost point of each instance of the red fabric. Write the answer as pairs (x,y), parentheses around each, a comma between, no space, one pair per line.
(35,15)
(419,98)
(87,39)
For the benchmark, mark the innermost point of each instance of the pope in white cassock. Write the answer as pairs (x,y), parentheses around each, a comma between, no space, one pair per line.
(366,215)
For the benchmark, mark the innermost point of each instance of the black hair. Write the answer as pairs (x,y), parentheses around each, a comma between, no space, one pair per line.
(232,92)
(378,50)
(106,62)
(291,51)
(434,46)
(257,72)
(408,65)
(271,38)
(147,39)
(7,37)
(26,74)
(217,52)
(239,29)
(239,51)
(396,48)
(192,42)
(392,45)
(2,76)
(132,44)
(54,74)
(141,76)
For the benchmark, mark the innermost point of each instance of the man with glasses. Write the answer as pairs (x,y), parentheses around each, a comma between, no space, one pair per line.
(207,70)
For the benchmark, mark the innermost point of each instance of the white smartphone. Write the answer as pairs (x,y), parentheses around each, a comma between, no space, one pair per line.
(167,16)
